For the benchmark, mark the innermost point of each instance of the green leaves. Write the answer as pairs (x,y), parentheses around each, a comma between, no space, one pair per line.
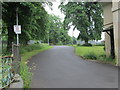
(32,18)
(86,17)
(57,33)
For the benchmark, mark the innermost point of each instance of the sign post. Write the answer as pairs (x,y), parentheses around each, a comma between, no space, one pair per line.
(48,37)
(17,28)
(16,54)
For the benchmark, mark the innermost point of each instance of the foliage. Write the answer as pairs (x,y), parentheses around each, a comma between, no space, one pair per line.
(25,74)
(87,44)
(57,34)
(32,18)
(102,44)
(78,44)
(31,47)
(90,56)
(82,50)
(107,59)
(95,53)
(84,16)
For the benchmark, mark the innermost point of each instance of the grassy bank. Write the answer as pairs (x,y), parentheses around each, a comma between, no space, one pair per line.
(93,53)
(83,50)
(27,52)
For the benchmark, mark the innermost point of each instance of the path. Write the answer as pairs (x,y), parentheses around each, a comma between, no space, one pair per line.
(59,67)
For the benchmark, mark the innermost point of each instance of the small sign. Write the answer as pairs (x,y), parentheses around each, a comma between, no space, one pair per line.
(17,29)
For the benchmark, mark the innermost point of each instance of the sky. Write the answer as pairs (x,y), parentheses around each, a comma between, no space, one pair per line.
(57,12)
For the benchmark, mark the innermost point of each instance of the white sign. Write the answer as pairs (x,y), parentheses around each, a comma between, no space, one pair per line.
(17,29)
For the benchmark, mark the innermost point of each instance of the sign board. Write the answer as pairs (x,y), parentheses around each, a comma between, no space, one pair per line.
(17,29)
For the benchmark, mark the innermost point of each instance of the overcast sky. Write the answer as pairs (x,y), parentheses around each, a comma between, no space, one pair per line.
(57,12)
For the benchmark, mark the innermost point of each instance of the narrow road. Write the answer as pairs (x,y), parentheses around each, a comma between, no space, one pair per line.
(59,67)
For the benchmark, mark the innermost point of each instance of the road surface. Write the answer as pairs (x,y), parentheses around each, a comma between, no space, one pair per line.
(59,67)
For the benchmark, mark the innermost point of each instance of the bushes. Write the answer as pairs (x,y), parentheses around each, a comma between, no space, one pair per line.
(87,44)
(94,53)
(78,44)
(103,57)
(101,44)
(60,43)
(28,48)
(90,56)
(25,74)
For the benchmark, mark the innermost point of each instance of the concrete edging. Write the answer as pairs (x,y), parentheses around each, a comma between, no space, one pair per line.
(17,83)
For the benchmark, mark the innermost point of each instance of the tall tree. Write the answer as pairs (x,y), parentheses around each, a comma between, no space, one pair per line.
(9,17)
(84,16)
(32,18)
(57,34)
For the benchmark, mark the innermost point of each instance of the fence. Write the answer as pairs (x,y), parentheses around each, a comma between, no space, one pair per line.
(16,57)
(9,67)
(7,73)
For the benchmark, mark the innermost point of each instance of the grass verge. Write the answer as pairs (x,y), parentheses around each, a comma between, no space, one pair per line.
(24,69)
(94,53)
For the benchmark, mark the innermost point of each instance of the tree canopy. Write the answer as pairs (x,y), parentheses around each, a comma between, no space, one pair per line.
(57,34)
(36,23)
(32,18)
(85,17)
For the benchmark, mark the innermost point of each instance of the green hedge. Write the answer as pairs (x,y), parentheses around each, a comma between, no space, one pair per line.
(87,44)
(28,48)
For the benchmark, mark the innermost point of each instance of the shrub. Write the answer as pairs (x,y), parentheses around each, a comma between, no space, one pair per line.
(59,43)
(104,48)
(104,58)
(87,44)
(101,44)
(78,44)
(103,55)
(28,48)
(25,74)
(107,59)
(22,51)
(90,56)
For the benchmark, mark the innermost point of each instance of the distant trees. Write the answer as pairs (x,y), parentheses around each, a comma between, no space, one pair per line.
(57,34)
(85,17)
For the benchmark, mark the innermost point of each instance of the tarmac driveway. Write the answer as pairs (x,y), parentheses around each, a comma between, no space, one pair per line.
(59,67)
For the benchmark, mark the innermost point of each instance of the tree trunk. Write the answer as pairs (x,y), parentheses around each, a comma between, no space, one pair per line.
(10,38)
(86,41)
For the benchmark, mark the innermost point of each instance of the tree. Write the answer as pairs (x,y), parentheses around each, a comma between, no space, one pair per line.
(57,34)
(32,18)
(84,16)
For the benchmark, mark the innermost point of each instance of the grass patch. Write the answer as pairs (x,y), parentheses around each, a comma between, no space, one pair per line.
(90,56)
(27,53)
(94,53)
(83,50)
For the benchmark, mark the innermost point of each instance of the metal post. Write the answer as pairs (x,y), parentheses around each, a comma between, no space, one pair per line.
(17,24)
(16,16)
(72,37)
(17,39)
(48,38)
